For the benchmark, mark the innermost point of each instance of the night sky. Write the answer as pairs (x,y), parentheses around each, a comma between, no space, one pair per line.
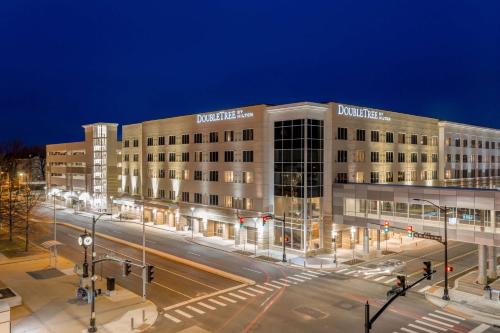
(67,63)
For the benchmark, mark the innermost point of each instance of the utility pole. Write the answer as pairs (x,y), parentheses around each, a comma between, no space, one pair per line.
(55,230)
(92,328)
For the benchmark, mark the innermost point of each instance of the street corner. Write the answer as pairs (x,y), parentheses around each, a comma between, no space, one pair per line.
(135,318)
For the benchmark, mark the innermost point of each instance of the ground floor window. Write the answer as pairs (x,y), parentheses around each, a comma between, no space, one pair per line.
(293,234)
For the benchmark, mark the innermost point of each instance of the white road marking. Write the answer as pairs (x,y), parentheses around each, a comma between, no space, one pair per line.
(182,313)
(341,270)
(408,330)
(194,254)
(216,302)
(172,318)
(421,322)
(251,270)
(295,279)
(390,280)
(444,318)
(237,296)
(192,308)
(316,273)
(302,277)
(422,328)
(256,291)
(272,285)
(206,306)
(265,288)
(308,274)
(350,272)
(424,289)
(288,281)
(480,329)
(449,315)
(246,293)
(227,299)
(437,321)
(280,283)
(380,278)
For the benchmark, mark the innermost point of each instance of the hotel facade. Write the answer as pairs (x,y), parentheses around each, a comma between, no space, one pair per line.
(230,173)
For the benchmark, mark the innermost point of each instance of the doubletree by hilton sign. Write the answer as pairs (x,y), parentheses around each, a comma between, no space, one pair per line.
(223,115)
(356,112)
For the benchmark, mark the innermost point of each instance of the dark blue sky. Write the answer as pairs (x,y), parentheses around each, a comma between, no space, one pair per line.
(67,63)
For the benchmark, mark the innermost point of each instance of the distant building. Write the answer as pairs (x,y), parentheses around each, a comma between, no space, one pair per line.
(31,169)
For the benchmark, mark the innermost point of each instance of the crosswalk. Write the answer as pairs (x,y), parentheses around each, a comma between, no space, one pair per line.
(377,276)
(434,322)
(200,308)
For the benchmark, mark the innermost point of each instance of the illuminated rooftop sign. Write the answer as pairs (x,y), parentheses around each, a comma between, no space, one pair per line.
(223,115)
(357,112)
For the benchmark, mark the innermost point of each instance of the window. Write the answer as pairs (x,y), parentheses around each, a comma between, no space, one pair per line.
(136,172)
(150,157)
(389,157)
(448,158)
(136,157)
(389,137)
(374,177)
(401,157)
(161,140)
(126,143)
(414,139)
(424,140)
(185,196)
(185,139)
(171,195)
(161,173)
(473,143)
(342,177)
(375,136)
(185,174)
(389,177)
(374,157)
(228,176)
(360,135)
(247,203)
(150,192)
(423,157)
(479,158)
(464,143)
(198,156)
(359,156)
(171,157)
(198,138)
(229,156)
(248,134)
(247,177)
(228,201)
(161,193)
(198,198)
(479,144)
(214,137)
(342,133)
(214,200)
(414,158)
(401,176)
(171,140)
(214,176)
(228,136)
(126,157)
(487,144)
(171,174)
(457,158)
(149,141)
(434,141)
(492,145)
(434,158)
(136,142)
(248,156)
(401,138)
(464,158)
(185,157)
(161,157)
(214,156)
(342,156)
(457,142)
(198,175)
(448,141)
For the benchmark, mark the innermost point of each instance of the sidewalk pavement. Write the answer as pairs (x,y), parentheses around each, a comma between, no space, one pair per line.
(50,304)
(466,305)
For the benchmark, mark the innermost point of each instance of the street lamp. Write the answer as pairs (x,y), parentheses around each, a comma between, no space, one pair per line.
(111,199)
(446,295)
(85,240)
(54,191)
(192,223)
(334,234)
(353,241)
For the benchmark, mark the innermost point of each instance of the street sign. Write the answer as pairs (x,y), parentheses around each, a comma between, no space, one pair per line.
(427,235)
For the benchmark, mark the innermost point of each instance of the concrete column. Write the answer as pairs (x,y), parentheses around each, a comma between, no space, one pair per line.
(378,240)
(481,272)
(492,262)
(366,241)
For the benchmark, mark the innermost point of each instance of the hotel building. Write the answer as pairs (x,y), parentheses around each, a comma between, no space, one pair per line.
(221,173)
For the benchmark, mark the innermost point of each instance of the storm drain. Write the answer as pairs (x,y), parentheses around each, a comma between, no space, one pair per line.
(45,274)
(309,313)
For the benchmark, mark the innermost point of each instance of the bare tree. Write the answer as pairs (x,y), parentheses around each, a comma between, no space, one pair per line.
(31,199)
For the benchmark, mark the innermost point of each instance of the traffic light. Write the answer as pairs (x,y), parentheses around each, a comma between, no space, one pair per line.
(428,269)
(386,226)
(150,273)
(401,282)
(242,220)
(449,269)
(410,231)
(265,218)
(127,268)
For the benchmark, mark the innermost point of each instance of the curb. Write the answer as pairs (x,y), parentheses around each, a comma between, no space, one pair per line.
(168,256)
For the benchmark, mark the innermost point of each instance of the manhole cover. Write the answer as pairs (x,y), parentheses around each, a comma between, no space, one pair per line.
(309,313)
(45,274)
(346,305)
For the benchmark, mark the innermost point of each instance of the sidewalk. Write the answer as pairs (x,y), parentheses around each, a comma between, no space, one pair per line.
(466,305)
(50,304)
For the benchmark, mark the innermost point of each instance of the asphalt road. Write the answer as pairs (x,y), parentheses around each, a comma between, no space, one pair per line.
(284,298)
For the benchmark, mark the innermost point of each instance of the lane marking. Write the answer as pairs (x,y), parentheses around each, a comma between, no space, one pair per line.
(265,301)
(295,279)
(302,277)
(424,289)
(421,322)
(408,330)
(172,318)
(251,270)
(350,272)
(288,281)
(437,322)
(265,288)
(280,283)
(390,280)
(341,270)
(206,306)
(272,285)
(194,254)
(182,313)
(422,328)
(256,291)
(216,302)
(308,274)
(238,296)
(444,318)
(480,329)
(449,315)
(316,273)
(380,278)
(227,299)
(246,293)
(192,308)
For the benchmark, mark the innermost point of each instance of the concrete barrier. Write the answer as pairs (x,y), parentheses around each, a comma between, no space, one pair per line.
(168,256)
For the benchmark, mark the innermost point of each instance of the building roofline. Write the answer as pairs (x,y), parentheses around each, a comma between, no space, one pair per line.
(451,123)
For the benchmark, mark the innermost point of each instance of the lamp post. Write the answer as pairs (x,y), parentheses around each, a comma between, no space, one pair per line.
(192,223)
(335,248)
(54,191)
(353,241)
(444,209)
(143,254)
